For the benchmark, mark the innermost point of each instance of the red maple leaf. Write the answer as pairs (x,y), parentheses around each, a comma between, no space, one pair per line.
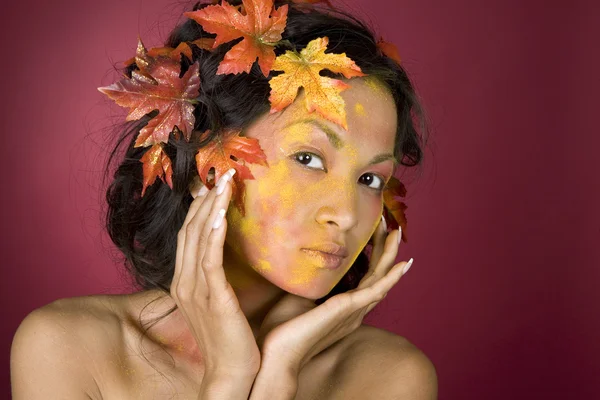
(157,86)
(393,210)
(217,154)
(156,164)
(261,27)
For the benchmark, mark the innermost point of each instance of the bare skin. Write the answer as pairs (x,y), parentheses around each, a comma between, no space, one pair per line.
(289,206)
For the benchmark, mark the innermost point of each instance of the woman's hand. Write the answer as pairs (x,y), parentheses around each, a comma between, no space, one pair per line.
(202,294)
(295,330)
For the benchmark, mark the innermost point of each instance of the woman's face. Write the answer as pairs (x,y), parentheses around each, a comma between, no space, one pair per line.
(331,195)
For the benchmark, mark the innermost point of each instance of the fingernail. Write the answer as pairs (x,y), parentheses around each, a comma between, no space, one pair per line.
(399,235)
(223,180)
(219,219)
(384,224)
(203,190)
(407,266)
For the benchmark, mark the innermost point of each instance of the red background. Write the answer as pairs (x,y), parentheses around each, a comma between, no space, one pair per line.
(504,224)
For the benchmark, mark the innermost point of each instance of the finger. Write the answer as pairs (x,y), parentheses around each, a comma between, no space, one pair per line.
(377,291)
(196,238)
(220,201)
(212,261)
(384,263)
(181,235)
(378,242)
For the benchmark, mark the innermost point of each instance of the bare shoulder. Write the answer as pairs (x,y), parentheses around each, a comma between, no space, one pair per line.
(56,348)
(383,365)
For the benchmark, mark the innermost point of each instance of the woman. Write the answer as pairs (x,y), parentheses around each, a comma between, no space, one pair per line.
(265,242)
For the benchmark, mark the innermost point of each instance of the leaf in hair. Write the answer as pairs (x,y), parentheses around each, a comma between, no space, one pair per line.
(218,154)
(389,49)
(260,27)
(157,86)
(156,163)
(393,207)
(302,70)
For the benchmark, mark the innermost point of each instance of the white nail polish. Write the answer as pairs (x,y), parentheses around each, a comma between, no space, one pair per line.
(219,219)
(399,235)
(407,266)
(203,190)
(222,182)
(384,224)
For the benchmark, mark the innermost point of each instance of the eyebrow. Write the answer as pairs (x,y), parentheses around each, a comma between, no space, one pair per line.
(337,142)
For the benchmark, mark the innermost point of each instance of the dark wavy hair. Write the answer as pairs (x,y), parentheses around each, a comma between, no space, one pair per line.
(145,228)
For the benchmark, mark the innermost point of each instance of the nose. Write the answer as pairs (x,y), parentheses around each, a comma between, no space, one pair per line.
(339,206)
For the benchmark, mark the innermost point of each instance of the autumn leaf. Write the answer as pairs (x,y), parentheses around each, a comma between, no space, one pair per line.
(261,27)
(157,86)
(389,49)
(302,70)
(393,208)
(217,154)
(156,163)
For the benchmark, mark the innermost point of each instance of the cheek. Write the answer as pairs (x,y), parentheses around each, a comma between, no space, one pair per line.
(269,222)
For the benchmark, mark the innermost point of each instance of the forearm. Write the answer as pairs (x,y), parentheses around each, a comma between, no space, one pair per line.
(226,387)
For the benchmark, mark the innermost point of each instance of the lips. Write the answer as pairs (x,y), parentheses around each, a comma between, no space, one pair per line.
(327,260)
(330,248)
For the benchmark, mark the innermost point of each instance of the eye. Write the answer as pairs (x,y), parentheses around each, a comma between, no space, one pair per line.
(381,184)
(305,158)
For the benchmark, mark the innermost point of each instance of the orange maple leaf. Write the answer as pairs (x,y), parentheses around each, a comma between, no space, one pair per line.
(261,27)
(393,210)
(157,86)
(217,154)
(302,70)
(156,163)
(389,49)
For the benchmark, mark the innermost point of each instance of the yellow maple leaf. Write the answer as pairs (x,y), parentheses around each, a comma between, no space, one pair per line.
(302,70)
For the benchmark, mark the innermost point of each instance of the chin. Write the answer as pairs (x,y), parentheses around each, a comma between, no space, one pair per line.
(312,289)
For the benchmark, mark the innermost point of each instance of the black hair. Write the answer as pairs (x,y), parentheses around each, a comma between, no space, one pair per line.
(145,228)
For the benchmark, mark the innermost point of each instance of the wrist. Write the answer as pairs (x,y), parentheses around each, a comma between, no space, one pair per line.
(226,386)
(275,381)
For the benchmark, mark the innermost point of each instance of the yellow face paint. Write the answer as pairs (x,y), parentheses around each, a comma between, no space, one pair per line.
(359,110)
(291,205)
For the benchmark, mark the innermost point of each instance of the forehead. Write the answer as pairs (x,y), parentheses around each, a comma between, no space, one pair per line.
(370,113)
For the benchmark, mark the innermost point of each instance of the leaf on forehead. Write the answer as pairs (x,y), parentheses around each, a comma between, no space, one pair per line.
(302,70)
(217,154)
(156,163)
(389,49)
(260,26)
(394,208)
(157,86)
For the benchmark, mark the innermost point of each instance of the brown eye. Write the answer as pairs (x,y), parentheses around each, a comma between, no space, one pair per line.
(305,158)
(379,179)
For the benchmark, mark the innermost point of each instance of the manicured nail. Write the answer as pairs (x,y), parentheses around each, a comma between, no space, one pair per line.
(224,179)
(219,219)
(399,235)
(407,266)
(203,190)
(384,224)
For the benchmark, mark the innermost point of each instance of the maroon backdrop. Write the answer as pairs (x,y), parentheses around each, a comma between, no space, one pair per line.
(503,225)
